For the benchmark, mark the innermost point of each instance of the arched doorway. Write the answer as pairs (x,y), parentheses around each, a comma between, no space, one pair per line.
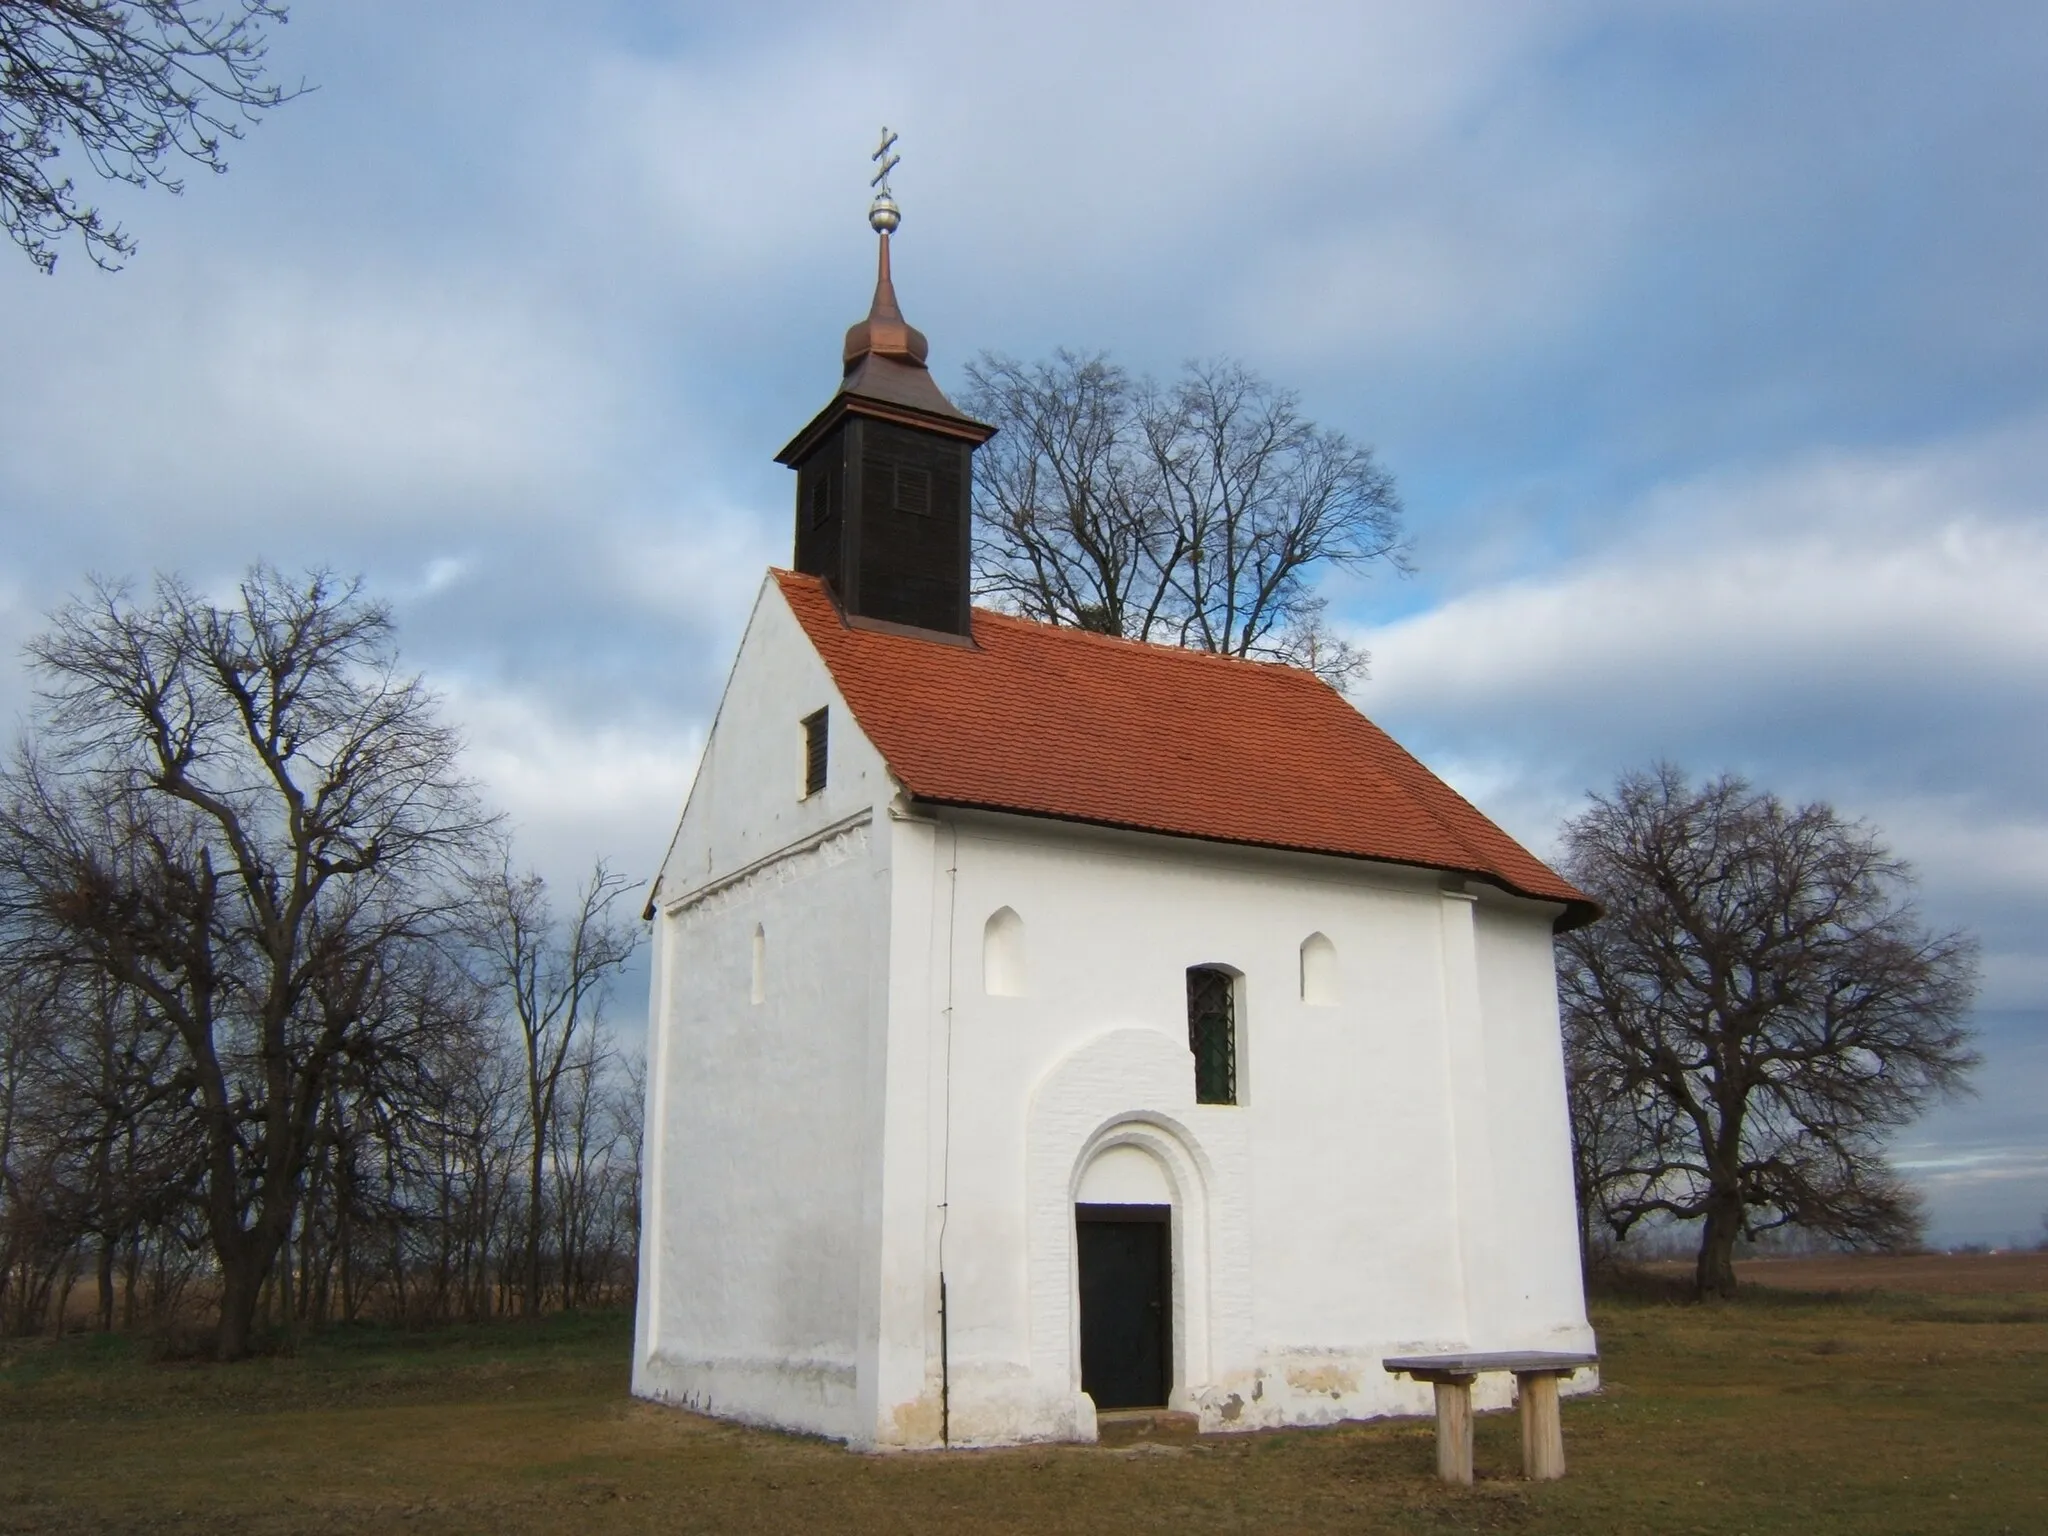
(1123,1248)
(1129,1087)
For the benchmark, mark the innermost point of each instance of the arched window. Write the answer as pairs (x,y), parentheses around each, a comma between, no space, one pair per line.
(1318,971)
(1002,955)
(1212,1033)
(760,987)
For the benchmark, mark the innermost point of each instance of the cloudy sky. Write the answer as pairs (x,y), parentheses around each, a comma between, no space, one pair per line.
(1708,342)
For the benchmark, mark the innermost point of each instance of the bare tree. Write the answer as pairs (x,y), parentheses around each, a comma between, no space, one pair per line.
(552,977)
(1607,1139)
(1759,1006)
(36,1238)
(626,1105)
(248,816)
(127,1129)
(1201,515)
(134,88)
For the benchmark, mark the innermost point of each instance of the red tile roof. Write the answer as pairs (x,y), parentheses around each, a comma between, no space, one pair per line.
(1059,722)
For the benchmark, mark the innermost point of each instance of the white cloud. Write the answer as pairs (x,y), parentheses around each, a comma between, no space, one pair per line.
(1672,629)
(270,393)
(573,793)
(1861,628)
(443,573)
(1039,145)
(1477,275)
(708,566)
(1887,574)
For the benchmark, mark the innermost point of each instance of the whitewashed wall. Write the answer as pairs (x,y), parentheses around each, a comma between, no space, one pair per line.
(761,1115)
(1395,1178)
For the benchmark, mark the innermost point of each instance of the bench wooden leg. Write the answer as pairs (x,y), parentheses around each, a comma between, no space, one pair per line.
(1454,1430)
(1542,1431)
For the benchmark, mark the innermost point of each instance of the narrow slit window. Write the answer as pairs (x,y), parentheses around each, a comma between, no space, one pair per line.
(1002,955)
(814,751)
(758,992)
(1212,1033)
(1319,985)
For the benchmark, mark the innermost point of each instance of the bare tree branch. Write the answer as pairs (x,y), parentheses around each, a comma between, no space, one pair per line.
(1201,515)
(133,87)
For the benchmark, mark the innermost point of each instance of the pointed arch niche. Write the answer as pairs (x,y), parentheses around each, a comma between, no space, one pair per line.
(1320,983)
(1002,954)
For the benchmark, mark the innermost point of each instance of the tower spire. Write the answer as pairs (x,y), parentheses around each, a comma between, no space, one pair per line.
(885,333)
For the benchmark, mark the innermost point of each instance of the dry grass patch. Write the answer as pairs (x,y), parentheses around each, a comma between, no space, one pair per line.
(1945,1274)
(1780,1413)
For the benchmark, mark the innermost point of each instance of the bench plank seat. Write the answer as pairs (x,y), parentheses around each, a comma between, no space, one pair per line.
(1536,1373)
(1469,1363)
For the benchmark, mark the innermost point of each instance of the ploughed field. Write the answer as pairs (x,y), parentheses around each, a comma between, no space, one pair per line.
(1792,1410)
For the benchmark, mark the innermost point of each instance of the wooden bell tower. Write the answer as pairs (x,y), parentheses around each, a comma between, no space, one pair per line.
(884,473)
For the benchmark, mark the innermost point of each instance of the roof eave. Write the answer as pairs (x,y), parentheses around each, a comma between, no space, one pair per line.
(1578,910)
(843,405)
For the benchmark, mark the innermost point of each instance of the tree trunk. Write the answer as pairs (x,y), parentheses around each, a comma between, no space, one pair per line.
(106,1284)
(533,1201)
(64,1297)
(344,1242)
(285,1298)
(241,1287)
(131,1277)
(1715,1273)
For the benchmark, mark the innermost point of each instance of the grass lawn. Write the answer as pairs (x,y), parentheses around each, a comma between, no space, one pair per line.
(1853,1411)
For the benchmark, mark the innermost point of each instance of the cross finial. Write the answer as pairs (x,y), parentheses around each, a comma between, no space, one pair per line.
(883,214)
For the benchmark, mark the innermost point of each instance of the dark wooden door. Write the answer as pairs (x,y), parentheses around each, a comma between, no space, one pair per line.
(1126,1263)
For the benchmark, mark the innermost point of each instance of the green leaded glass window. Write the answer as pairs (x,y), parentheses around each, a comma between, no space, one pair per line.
(1212,1033)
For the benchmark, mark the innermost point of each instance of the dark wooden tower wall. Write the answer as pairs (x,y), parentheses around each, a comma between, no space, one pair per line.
(883,514)
(884,481)
(821,489)
(916,527)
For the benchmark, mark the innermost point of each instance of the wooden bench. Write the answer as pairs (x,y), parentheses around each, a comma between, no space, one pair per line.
(1536,1373)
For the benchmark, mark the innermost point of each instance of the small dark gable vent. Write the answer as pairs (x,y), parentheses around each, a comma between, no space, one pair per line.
(913,490)
(814,751)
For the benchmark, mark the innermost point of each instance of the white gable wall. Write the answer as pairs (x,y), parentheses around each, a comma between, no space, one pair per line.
(747,800)
(763,1116)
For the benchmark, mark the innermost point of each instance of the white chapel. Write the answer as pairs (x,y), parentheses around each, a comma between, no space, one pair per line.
(1044,1024)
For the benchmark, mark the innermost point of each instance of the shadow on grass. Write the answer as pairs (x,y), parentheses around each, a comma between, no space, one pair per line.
(555,1331)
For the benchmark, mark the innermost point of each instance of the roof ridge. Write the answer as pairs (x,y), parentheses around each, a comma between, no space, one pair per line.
(1163,648)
